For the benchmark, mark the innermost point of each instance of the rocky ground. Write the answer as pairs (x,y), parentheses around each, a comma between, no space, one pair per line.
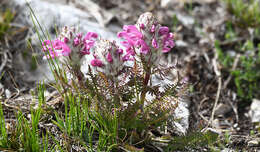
(197,24)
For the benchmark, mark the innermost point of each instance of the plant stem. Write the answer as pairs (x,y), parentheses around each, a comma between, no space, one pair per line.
(146,80)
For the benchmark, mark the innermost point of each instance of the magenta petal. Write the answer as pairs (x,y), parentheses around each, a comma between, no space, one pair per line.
(76,41)
(130,51)
(163,30)
(142,26)
(171,35)
(65,50)
(153,29)
(120,51)
(109,58)
(154,43)
(96,63)
(66,40)
(165,50)
(90,35)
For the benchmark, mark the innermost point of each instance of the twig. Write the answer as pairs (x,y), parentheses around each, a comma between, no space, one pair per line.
(12,78)
(3,62)
(218,74)
(15,95)
(202,101)
(233,68)
(234,109)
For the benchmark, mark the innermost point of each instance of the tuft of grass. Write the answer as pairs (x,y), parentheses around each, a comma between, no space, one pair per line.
(247,73)
(3,133)
(192,140)
(6,18)
(25,135)
(247,14)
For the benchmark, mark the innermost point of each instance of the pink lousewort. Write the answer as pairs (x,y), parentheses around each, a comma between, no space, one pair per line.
(147,38)
(70,42)
(88,41)
(56,48)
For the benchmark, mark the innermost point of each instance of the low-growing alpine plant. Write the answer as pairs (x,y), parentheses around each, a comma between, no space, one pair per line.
(128,83)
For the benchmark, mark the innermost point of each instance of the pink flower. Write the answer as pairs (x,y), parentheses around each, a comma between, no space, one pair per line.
(66,40)
(154,43)
(153,28)
(77,39)
(120,51)
(109,57)
(163,30)
(134,38)
(144,47)
(147,38)
(88,42)
(131,34)
(56,48)
(168,42)
(142,26)
(96,63)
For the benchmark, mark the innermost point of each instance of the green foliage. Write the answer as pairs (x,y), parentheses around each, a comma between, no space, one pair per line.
(192,140)
(247,73)
(3,133)
(225,59)
(247,14)
(230,33)
(25,135)
(5,20)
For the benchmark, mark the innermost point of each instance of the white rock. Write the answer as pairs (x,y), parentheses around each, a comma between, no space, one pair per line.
(254,112)
(8,94)
(227,150)
(253,143)
(180,124)
(165,3)
(181,43)
(185,19)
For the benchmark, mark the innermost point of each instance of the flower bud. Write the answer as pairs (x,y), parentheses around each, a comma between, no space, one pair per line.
(106,58)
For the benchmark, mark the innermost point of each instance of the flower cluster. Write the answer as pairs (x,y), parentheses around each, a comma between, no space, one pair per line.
(69,42)
(146,41)
(56,48)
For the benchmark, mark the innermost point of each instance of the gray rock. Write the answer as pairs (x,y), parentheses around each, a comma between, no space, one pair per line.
(222,109)
(52,15)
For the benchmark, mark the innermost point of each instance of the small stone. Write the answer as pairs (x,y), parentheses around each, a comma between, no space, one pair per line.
(253,143)
(186,20)
(227,150)
(8,94)
(222,109)
(218,132)
(254,112)
(181,43)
